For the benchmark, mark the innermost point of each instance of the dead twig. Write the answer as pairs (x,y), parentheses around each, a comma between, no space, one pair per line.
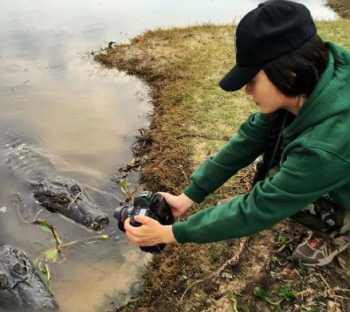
(305,292)
(203,136)
(73,200)
(341,289)
(232,261)
(332,292)
(90,239)
(187,179)
(53,230)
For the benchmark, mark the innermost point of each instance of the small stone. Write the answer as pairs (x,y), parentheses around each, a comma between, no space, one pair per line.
(226,275)
(342,262)
(333,307)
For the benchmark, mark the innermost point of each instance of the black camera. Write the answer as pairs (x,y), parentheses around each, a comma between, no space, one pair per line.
(149,204)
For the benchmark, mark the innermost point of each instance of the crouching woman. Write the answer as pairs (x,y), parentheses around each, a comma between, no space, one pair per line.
(301,86)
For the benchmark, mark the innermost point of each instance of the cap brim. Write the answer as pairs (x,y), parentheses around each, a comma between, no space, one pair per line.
(237,77)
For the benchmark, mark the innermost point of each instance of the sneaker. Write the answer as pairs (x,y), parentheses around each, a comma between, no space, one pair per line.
(316,252)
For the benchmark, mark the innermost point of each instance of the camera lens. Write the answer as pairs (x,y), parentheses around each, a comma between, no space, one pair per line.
(149,204)
(121,214)
(161,209)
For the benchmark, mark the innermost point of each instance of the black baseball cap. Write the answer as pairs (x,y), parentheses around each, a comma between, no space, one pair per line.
(275,28)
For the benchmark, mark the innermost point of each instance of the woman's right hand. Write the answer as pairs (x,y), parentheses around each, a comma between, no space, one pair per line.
(178,204)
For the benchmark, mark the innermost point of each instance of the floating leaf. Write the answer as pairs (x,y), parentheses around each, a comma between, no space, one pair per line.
(44,224)
(45,228)
(52,255)
(103,237)
(123,184)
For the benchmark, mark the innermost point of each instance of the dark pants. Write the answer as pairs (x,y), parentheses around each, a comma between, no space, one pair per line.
(325,216)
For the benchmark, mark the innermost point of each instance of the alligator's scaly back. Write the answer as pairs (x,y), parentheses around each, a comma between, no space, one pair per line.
(21,288)
(28,162)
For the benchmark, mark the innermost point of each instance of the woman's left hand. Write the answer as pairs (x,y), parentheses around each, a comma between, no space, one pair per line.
(150,233)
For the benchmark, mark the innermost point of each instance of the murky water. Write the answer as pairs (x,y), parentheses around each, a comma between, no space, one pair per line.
(84,117)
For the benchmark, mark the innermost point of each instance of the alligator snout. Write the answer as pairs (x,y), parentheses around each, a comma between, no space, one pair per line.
(66,196)
(102,220)
(55,192)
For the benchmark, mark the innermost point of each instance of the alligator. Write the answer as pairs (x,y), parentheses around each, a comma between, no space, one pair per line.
(21,288)
(51,190)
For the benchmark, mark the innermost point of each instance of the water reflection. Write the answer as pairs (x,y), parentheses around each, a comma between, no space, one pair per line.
(83,116)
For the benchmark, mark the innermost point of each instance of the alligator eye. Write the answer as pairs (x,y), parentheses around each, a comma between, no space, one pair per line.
(101,220)
(19,268)
(4,282)
(75,189)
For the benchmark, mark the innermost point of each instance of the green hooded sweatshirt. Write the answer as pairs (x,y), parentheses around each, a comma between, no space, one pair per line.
(315,161)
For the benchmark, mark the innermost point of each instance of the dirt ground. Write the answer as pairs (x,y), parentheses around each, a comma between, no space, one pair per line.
(192,119)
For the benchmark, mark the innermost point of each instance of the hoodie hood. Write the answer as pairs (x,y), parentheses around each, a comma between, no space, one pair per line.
(331,96)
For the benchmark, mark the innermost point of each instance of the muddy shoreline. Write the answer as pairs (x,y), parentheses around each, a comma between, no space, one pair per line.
(182,67)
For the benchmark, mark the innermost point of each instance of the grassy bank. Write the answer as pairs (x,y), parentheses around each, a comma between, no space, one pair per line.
(342,7)
(192,119)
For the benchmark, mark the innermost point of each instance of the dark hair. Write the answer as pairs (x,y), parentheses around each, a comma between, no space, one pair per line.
(298,72)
